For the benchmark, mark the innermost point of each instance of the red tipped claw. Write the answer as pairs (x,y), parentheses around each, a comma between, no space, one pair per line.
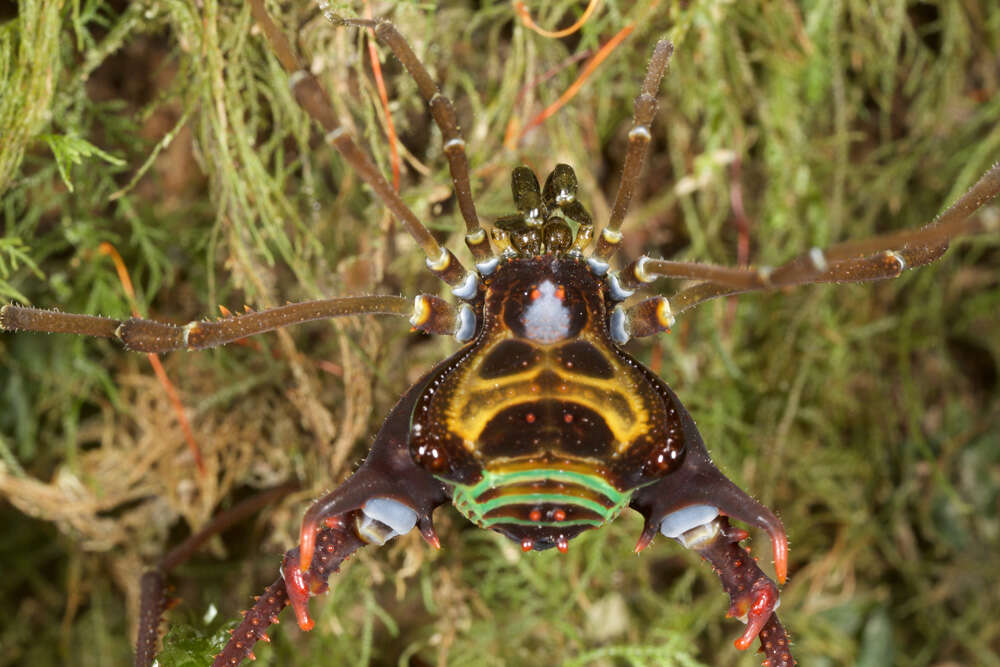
(758,608)
(307,542)
(298,592)
(779,543)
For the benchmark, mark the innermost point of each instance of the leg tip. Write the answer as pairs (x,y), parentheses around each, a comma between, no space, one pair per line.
(779,544)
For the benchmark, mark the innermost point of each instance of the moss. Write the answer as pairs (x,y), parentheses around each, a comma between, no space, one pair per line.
(867,415)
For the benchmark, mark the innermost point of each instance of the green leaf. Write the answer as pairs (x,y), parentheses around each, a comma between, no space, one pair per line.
(70,150)
(190,646)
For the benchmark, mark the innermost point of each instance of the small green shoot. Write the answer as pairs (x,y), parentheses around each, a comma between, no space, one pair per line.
(72,150)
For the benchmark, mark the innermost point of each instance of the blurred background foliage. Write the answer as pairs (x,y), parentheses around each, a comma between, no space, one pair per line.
(866,415)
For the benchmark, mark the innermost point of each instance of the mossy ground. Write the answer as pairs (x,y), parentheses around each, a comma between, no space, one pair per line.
(867,415)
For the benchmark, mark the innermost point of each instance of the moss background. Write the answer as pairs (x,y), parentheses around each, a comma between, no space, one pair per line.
(868,416)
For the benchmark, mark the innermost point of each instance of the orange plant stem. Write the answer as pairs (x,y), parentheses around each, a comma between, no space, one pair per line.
(107,249)
(525,15)
(574,88)
(390,128)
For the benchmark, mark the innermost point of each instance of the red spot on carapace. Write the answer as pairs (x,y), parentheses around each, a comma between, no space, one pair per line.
(562,544)
(560,292)
(535,293)
(535,515)
(559,515)
(568,418)
(527,544)
(530,417)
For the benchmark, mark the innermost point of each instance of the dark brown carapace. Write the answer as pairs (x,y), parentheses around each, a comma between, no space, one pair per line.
(541,426)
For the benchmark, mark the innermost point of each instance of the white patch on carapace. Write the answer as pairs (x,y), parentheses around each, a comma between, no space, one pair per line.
(546,319)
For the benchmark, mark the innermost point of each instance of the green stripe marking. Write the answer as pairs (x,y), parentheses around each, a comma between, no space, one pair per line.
(486,523)
(538,498)
(465,497)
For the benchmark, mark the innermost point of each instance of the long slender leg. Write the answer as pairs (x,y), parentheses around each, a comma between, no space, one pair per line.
(152,586)
(876,258)
(812,267)
(443,112)
(315,101)
(152,336)
(638,140)
(885,265)
(428,313)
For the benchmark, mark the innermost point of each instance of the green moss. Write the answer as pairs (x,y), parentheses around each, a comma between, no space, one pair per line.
(866,415)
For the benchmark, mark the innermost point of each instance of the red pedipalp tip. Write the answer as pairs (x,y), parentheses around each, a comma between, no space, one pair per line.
(779,543)
(298,593)
(307,544)
(766,598)
(306,623)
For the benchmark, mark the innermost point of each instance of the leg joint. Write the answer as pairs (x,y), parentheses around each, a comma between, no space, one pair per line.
(382,519)
(692,525)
